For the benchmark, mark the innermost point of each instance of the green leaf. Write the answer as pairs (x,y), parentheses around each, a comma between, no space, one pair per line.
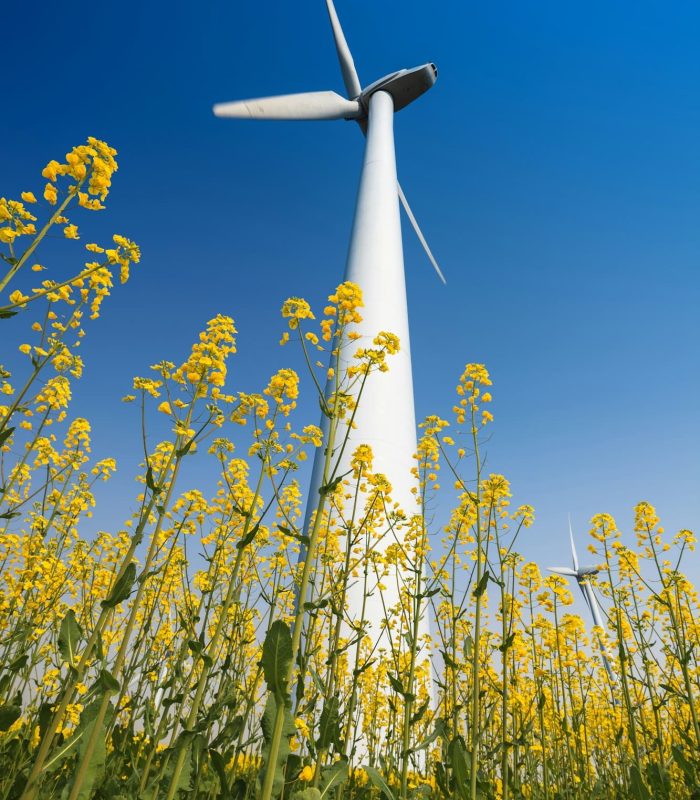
(122,588)
(481,586)
(316,605)
(150,482)
(108,682)
(300,537)
(97,759)
(659,780)
(457,754)
(396,684)
(680,758)
(378,781)
(7,314)
(69,635)
(277,658)
(183,780)
(449,661)
(668,688)
(248,538)
(307,794)
(219,765)
(185,449)
(468,648)
(195,646)
(229,732)
(45,716)
(418,716)
(324,407)
(318,683)
(5,435)
(639,789)
(80,736)
(9,714)
(99,648)
(334,776)
(329,725)
(364,667)
(329,488)
(508,643)
(439,730)
(19,663)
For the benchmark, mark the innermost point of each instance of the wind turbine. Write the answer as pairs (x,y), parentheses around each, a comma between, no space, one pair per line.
(386,418)
(582,575)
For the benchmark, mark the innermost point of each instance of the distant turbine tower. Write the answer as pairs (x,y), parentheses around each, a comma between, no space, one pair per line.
(582,574)
(386,418)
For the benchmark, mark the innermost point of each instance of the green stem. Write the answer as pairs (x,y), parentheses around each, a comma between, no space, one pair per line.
(474,727)
(278,727)
(76,676)
(214,644)
(32,247)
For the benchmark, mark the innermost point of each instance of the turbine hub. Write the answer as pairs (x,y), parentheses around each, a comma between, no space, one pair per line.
(403,86)
(586,571)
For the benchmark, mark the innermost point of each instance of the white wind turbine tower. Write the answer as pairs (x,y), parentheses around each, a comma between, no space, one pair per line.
(582,575)
(386,417)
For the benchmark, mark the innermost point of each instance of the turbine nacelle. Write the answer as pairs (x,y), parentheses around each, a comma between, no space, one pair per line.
(404,86)
(586,571)
(580,574)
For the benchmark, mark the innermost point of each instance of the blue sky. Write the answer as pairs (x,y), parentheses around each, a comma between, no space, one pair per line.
(554,169)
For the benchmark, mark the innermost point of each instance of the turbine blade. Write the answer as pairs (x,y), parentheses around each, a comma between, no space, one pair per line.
(563,571)
(419,233)
(308,105)
(573,546)
(347,65)
(587,598)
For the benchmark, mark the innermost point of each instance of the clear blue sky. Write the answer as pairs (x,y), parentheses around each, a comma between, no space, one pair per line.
(555,169)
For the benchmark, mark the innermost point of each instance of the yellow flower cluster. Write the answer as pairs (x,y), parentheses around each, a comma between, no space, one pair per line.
(284,386)
(295,309)
(93,162)
(604,528)
(125,253)
(15,220)
(207,362)
(371,358)
(469,388)
(343,311)
(56,394)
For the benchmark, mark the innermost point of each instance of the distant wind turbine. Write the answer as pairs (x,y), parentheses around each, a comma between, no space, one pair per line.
(385,418)
(582,575)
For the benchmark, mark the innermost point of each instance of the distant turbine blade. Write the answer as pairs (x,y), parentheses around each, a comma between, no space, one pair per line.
(347,65)
(570,573)
(308,105)
(419,233)
(573,546)
(595,608)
